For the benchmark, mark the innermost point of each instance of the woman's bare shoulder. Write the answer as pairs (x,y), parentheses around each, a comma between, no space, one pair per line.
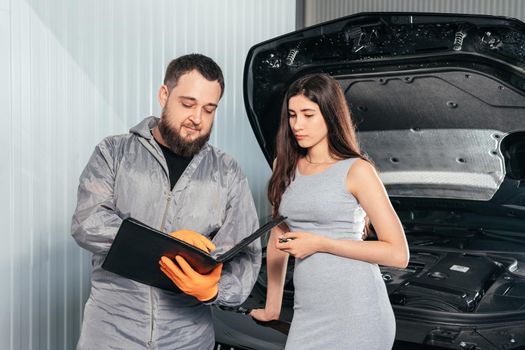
(361,173)
(361,167)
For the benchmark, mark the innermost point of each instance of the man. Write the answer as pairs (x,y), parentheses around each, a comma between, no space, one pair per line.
(165,174)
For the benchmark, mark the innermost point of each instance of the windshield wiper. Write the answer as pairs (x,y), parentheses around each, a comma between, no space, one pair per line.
(511,236)
(506,235)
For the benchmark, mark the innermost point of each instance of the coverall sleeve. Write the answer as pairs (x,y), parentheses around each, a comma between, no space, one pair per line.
(240,274)
(95,221)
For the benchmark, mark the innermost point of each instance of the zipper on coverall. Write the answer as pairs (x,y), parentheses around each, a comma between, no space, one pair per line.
(155,153)
(150,342)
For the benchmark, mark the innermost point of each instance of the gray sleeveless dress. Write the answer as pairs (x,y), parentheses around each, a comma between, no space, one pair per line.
(340,303)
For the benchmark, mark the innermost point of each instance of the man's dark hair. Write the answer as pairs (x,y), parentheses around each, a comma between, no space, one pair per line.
(185,64)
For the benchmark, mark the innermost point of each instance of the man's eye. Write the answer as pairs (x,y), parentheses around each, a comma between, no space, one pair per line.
(187,105)
(209,110)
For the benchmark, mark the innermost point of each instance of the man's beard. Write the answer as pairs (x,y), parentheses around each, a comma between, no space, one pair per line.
(176,142)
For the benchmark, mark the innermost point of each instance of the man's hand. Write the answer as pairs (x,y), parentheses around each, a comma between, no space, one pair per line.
(202,287)
(195,239)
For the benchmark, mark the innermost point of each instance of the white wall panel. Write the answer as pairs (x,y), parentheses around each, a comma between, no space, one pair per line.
(6,214)
(71,73)
(317,11)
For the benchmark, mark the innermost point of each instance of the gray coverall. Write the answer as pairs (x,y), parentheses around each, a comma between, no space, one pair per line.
(127,175)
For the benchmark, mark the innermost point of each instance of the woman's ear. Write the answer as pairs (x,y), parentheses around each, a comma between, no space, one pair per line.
(163,95)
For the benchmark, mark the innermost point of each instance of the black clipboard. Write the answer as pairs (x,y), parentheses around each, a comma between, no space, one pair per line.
(137,249)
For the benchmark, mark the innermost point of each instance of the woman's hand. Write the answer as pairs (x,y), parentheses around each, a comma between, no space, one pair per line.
(300,244)
(263,315)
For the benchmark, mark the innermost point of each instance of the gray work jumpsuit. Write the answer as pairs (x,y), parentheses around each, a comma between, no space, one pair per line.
(127,175)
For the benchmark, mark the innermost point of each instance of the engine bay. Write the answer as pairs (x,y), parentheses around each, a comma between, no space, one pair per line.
(450,295)
(456,282)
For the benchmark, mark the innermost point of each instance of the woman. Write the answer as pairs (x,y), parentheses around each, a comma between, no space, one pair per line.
(328,190)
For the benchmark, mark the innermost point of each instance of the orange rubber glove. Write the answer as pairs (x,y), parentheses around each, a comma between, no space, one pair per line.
(195,239)
(202,287)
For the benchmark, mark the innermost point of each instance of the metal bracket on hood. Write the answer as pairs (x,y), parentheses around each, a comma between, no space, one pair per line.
(363,36)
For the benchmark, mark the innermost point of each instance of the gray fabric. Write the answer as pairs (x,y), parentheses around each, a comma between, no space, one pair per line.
(127,176)
(340,303)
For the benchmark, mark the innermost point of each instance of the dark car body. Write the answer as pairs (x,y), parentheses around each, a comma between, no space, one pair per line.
(439,105)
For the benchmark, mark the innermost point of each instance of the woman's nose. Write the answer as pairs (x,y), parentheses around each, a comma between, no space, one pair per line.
(298,125)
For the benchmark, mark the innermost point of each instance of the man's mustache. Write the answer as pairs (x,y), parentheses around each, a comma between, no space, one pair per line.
(192,126)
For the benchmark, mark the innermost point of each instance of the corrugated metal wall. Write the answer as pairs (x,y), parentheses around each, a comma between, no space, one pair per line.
(72,72)
(317,11)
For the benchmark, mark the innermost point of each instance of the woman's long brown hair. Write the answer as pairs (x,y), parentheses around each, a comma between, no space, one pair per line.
(342,140)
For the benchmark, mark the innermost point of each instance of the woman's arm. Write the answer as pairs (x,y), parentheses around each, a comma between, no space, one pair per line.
(276,263)
(391,249)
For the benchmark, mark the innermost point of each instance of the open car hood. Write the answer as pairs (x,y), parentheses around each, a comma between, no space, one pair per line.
(438,100)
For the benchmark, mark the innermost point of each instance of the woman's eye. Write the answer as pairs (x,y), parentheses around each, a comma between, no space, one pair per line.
(309,115)
(291,115)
